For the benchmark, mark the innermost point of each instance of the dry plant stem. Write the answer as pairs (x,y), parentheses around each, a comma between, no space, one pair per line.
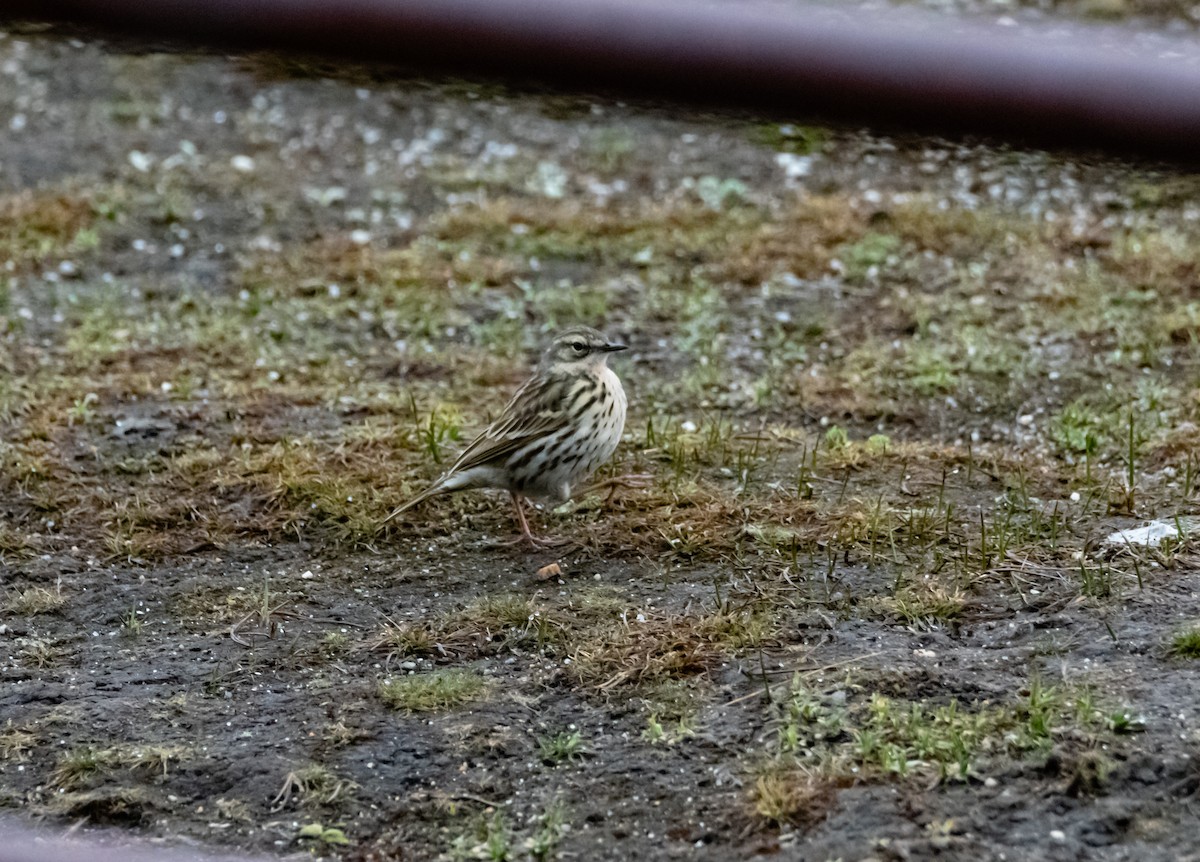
(630,480)
(235,632)
(238,636)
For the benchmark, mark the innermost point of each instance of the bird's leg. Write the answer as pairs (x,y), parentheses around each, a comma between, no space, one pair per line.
(526,534)
(630,480)
(519,507)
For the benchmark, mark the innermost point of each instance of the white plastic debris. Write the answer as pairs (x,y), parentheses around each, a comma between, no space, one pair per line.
(1151,534)
(549,180)
(794,166)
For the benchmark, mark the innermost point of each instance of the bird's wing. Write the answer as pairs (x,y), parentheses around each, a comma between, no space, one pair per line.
(537,409)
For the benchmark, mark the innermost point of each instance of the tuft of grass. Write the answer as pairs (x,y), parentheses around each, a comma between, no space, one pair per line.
(152,759)
(786,796)
(492,836)
(497,613)
(549,828)
(836,438)
(125,806)
(487,837)
(313,784)
(131,623)
(863,258)
(334,644)
(1186,644)
(41,653)
(658,733)
(435,691)
(900,738)
(407,639)
(659,648)
(1080,430)
(50,223)
(12,541)
(485,624)
(79,766)
(1122,721)
(738,629)
(925,604)
(837,737)
(16,742)
(36,600)
(789,137)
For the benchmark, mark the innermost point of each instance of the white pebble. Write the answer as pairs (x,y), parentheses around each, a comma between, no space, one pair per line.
(140,161)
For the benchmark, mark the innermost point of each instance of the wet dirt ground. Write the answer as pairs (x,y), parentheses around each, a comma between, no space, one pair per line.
(249,307)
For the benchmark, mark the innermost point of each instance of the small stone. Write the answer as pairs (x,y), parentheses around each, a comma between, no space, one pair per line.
(140,161)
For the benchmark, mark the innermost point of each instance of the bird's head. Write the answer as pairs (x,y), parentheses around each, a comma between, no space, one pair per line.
(580,348)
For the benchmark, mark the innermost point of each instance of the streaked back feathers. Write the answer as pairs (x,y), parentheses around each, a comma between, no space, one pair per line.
(558,427)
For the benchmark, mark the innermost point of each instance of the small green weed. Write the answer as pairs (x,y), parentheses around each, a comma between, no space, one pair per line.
(488,838)
(563,747)
(322,834)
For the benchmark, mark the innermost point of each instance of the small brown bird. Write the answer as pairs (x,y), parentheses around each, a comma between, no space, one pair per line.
(562,424)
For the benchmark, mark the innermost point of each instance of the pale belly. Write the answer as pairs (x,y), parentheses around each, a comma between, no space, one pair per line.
(572,454)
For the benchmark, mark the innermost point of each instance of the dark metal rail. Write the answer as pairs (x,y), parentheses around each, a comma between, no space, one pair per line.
(880,69)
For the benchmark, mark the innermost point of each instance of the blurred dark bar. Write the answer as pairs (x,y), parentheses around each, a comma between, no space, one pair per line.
(21,844)
(883,68)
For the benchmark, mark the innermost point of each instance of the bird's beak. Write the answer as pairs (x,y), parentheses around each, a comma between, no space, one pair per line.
(610,347)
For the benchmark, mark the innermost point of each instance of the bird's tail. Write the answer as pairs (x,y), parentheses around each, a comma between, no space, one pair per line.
(431,491)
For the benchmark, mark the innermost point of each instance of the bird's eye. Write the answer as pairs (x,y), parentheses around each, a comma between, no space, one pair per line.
(579,347)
